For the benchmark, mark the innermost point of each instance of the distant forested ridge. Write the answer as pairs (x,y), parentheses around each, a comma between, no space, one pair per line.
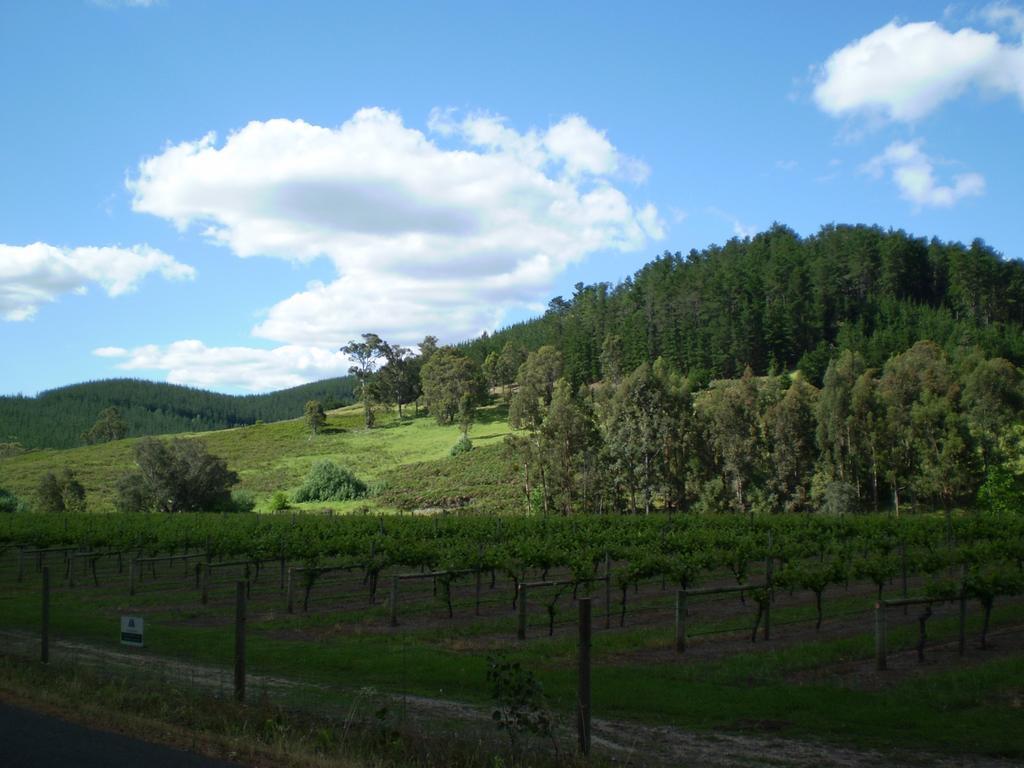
(777,301)
(57,418)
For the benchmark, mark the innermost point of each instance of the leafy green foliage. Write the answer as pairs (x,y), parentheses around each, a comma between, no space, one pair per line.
(315,416)
(109,426)
(61,492)
(176,476)
(242,502)
(465,445)
(453,386)
(329,482)
(519,700)
(9,503)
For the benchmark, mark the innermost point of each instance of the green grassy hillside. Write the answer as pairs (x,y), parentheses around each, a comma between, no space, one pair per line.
(58,417)
(408,460)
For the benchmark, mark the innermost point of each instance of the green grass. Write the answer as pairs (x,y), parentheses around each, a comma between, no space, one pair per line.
(276,457)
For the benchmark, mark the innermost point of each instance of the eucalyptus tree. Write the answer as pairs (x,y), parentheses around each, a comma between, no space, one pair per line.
(569,447)
(366,354)
(315,416)
(453,387)
(791,425)
(732,415)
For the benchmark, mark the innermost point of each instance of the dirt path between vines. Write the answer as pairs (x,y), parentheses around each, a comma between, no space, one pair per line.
(618,742)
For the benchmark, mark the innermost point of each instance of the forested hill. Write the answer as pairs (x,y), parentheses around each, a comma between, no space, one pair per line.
(778,301)
(58,417)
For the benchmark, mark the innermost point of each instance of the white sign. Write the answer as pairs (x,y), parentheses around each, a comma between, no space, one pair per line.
(131,631)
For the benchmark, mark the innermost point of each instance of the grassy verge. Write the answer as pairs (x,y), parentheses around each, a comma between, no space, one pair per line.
(261,733)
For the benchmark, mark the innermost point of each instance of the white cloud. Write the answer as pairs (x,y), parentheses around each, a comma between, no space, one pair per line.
(110,352)
(31,275)
(424,238)
(1004,15)
(739,229)
(786,165)
(192,363)
(913,172)
(903,72)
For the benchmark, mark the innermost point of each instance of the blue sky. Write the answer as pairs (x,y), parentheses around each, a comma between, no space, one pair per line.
(221,194)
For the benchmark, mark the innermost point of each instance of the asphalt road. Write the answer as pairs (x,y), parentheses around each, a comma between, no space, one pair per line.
(31,740)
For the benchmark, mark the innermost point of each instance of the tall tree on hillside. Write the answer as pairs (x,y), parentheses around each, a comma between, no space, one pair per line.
(512,356)
(366,354)
(734,425)
(914,378)
(791,425)
(491,369)
(834,428)
(868,431)
(428,347)
(569,444)
(397,380)
(535,386)
(315,416)
(453,386)
(993,398)
(947,464)
(640,427)
(109,426)
(612,359)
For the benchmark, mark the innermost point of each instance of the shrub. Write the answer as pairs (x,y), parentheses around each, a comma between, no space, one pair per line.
(1001,492)
(11,503)
(176,476)
(279,502)
(242,501)
(61,493)
(327,481)
(465,445)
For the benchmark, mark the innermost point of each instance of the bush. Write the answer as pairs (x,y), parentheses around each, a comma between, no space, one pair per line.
(1002,491)
(61,493)
(279,502)
(465,445)
(329,482)
(176,476)
(11,503)
(242,501)
(840,498)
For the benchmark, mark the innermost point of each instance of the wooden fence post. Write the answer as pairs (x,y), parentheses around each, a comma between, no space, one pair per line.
(394,600)
(478,577)
(680,621)
(880,661)
(283,566)
(131,575)
(607,590)
(240,640)
(44,650)
(290,591)
(769,574)
(962,641)
(583,703)
(206,583)
(903,569)
(521,630)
